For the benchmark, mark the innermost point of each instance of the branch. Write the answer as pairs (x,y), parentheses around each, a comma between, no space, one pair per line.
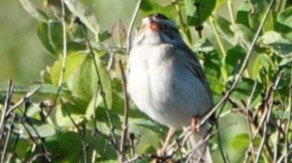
(126,111)
(128,48)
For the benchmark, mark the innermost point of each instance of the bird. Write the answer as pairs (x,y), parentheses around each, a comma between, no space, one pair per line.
(167,82)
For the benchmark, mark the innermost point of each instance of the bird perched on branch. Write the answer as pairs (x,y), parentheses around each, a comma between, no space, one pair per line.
(167,82)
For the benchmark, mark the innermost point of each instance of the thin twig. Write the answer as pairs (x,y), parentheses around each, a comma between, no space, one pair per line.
(289,117)
(132,143)
(204,141)
(5,109)
(24,99)
(102,93)
(136,158)
(84,144)
(129,34)
(10,129)
(276,146)
(64,59)
(111,141)
(249,124)
(182,24)
(126,111)
(230,10)
(268,109)
(45,152)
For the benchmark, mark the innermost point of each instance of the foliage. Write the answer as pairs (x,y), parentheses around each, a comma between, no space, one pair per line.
(79,113)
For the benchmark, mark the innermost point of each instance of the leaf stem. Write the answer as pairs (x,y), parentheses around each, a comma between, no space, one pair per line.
(183,26)
(231,13)
(222,49)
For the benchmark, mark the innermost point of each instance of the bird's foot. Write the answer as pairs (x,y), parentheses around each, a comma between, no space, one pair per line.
(195,124)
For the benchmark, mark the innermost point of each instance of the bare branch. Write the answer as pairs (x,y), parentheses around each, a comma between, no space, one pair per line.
(126,111)
(128,48)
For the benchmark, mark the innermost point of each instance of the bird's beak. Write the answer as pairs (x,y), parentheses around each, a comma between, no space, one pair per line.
(150,24)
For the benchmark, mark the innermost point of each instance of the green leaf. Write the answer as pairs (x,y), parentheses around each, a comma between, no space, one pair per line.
(72,63)
(279,45)
(204,45)
(51,37)
(282,114)
(288,36)
(103,36)
(43,131)
(151,6)
(242,141)
(223,27)
(234,58)
(47,90)
(244,88)
(242,35)
(43,35)
(61,119)
(285,17)
(71,147)
(256,63)
(242,16)
(198,15)
(257,14)
(73,46)
(22,146)
(83,83)
(84,14)
(148,6)
(33,10)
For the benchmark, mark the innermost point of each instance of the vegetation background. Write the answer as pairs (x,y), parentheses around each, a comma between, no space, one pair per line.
(65,102)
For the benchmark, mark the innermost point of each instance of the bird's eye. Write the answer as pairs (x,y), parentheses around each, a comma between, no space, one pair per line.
(165,27)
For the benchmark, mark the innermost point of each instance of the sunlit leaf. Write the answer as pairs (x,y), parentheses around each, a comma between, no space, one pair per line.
(197,11)
(43,35)
(84,82)
(72,63)
(35,12)
(285,17)
(242,35)
(242,16)
(148,5)
(242,141)
(60,117)
(256,63)
(84,14)
(36,131)
(277,43)
(257,13)
(223,27)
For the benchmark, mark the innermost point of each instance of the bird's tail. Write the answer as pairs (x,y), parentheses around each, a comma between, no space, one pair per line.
(198,151)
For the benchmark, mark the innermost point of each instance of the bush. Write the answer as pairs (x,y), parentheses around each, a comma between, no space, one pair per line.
(80,111)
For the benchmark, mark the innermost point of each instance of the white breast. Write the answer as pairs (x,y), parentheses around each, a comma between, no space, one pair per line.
(162,86)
